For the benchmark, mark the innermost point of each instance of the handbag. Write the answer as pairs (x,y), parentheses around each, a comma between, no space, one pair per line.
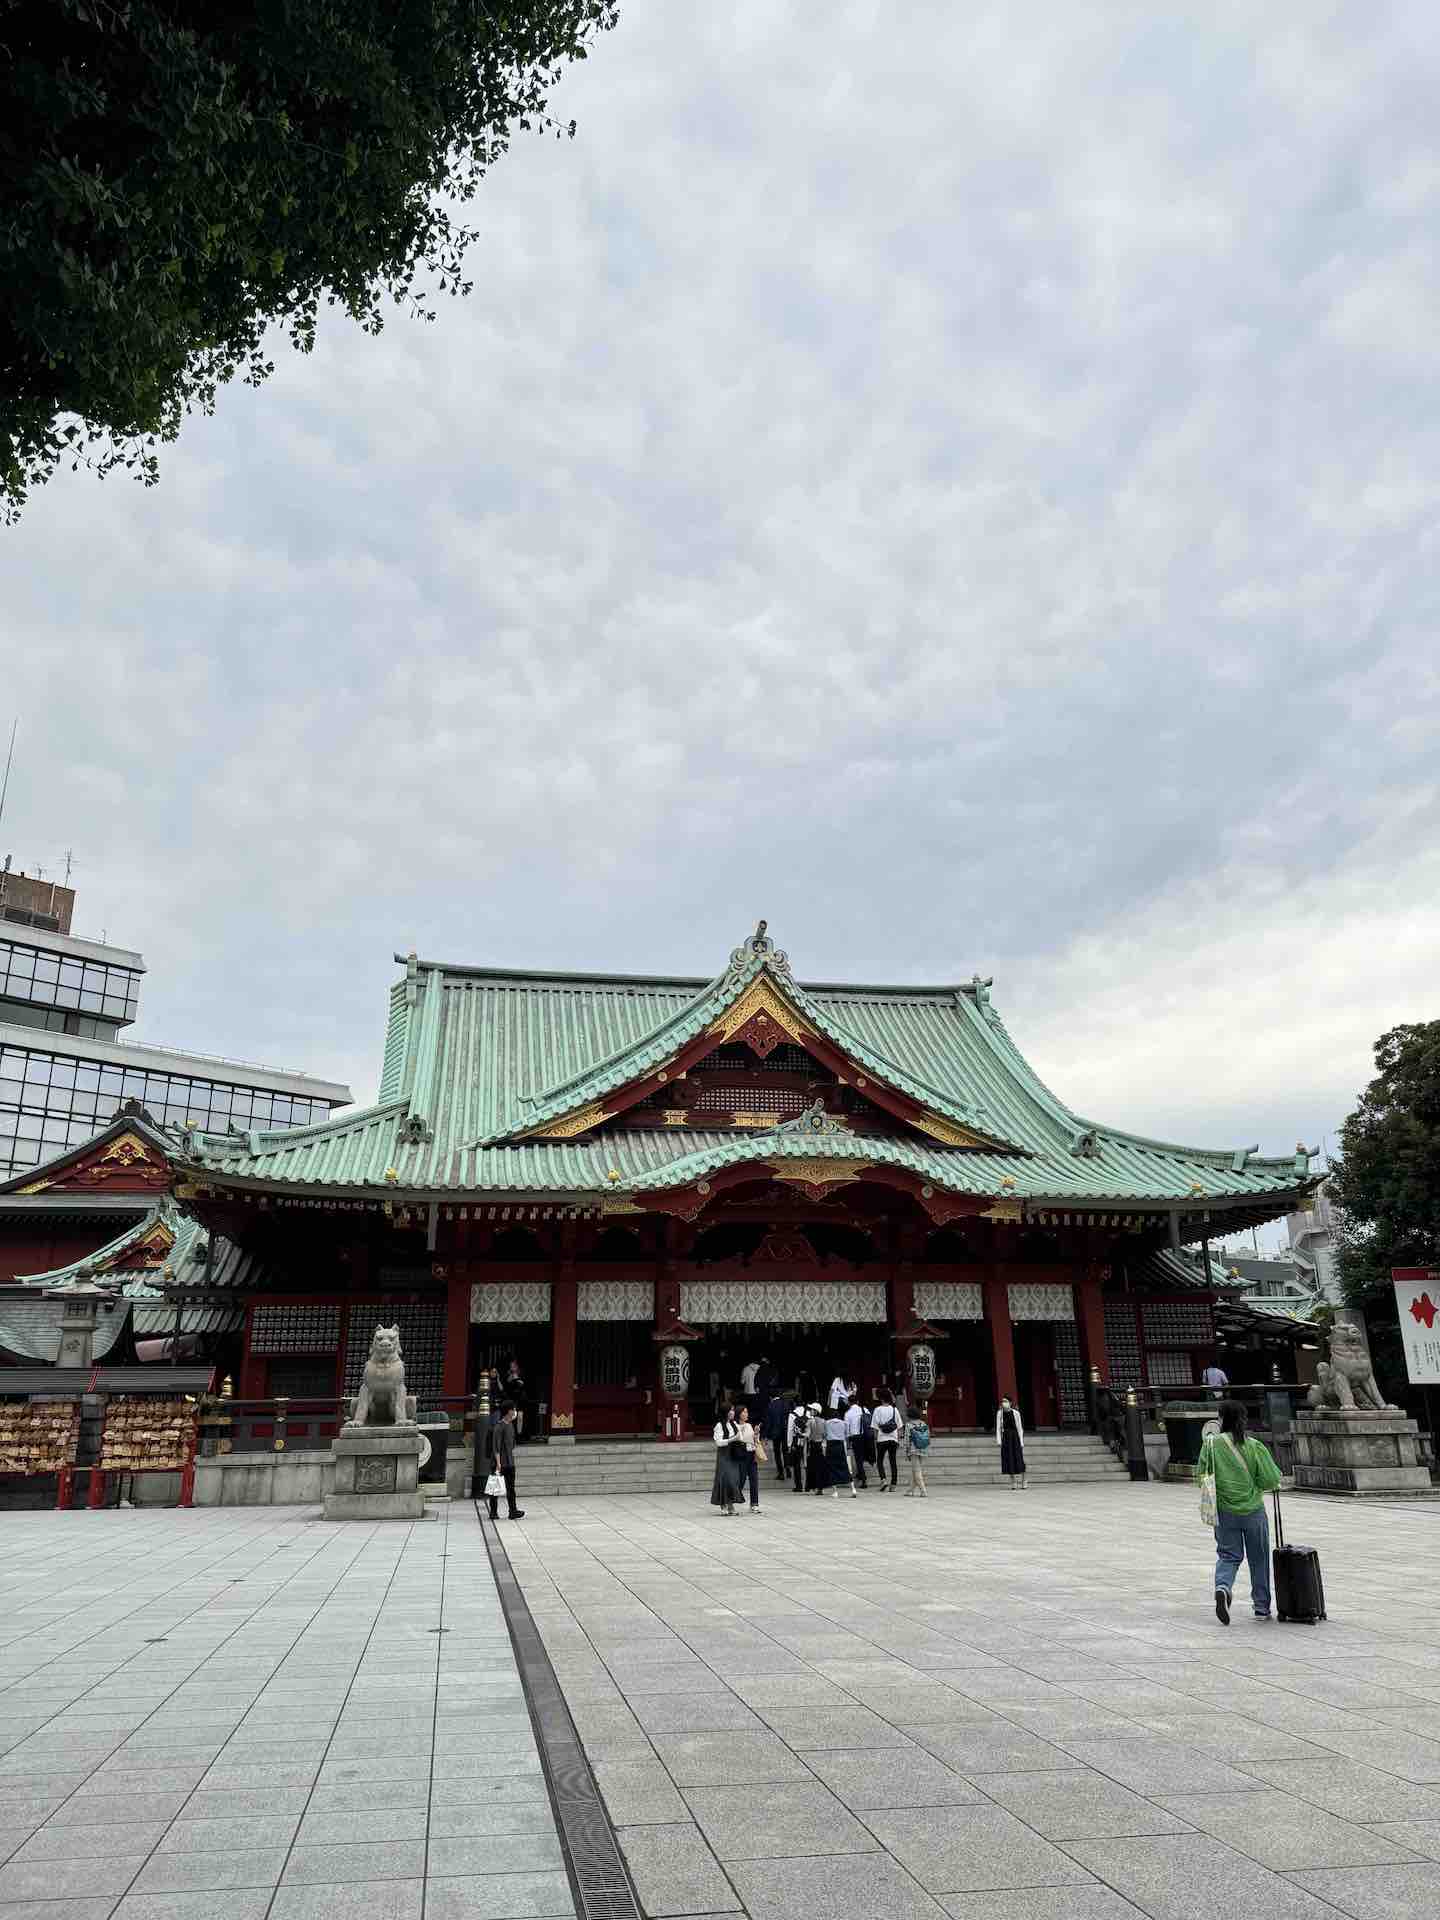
(760,1454)
(1209,1507)
(494,1485)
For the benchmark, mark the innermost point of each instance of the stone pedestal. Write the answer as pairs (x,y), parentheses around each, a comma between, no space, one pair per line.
(377,1474)
(1357,1451)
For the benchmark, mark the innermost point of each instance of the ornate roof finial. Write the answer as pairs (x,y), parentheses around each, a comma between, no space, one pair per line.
(814,1119)
(759,946)
(980,991)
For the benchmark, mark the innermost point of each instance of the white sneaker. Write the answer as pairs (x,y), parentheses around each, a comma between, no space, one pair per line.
(834,1493)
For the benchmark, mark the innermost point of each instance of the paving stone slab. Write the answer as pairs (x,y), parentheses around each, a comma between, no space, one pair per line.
(1417,1836)
(1281,1831)
(355,1900)
(1349,1789)
(716,1759)
(1379,1893)
(912,1778)
(61,1879)
(1041,1903)
(195,1872)
(967,1849)
(493,1896)
(1078,1805)
(674,1871)
(998,1748)
(861,1884)
(1190,1876)
(754,1822)
(247,1903)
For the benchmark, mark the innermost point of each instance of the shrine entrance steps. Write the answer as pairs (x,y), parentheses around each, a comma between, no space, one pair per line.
(653,1466)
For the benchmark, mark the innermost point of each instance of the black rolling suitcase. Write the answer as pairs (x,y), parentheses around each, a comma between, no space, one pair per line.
(1299,1589)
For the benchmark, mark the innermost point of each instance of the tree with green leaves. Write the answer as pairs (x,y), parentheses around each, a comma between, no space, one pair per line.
(178,176)
(1387,1185)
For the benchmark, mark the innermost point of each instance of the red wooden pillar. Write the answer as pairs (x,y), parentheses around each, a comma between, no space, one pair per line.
(1002,1334)
(252,1366)
(564,1296)
(456,1375)
(1090,1311)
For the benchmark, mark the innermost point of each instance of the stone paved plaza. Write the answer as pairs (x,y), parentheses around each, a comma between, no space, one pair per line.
(993,1705)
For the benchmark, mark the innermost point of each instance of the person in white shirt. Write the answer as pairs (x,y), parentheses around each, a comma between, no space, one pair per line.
(747,1376)
(885,1425)
(750,1465)
(729,1463)
(1216,1379)
(841,1390)
(837,1466)
(855,1439)
(1010,1438)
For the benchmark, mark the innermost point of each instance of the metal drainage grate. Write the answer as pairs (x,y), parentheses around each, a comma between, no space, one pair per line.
(598,1878)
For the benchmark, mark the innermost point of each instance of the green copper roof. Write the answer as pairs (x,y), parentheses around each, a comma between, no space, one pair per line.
(473,1057)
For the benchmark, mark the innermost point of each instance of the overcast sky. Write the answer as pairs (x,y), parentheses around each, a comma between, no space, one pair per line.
(960,482)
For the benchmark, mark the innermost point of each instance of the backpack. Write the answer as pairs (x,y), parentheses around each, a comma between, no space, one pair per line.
(918,1436)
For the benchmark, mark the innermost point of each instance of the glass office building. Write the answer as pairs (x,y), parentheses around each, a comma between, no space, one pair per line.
(65,1067)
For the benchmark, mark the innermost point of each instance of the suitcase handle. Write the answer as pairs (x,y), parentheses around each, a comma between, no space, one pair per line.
(1279,1523)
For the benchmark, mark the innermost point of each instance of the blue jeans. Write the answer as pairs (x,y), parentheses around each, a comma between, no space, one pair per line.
(1244,1536)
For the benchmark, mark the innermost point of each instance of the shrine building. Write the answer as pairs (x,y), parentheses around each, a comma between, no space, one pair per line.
(580,1172)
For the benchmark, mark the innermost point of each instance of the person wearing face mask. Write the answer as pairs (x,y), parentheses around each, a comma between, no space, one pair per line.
(1010,1438)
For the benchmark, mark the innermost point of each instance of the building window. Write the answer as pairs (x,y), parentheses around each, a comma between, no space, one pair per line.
(48,1103)
(61,981)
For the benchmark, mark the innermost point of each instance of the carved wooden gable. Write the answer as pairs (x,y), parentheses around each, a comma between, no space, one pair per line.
(126,1164)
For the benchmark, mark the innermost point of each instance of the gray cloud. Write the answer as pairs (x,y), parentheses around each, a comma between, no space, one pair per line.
(962,484)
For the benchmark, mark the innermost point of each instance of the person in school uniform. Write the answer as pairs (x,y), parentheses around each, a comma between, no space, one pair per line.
(837,1463)
(854,1425)
(816,1473)
(729,1463)
(797,1435)
(1010,1438)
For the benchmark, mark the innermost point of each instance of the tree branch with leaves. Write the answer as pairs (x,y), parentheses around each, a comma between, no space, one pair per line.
(1387,1185)
(178,176)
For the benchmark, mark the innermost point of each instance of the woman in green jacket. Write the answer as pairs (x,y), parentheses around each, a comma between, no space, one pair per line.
(1244,1473)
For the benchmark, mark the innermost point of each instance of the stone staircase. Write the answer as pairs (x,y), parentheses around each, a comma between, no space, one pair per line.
(650,1466)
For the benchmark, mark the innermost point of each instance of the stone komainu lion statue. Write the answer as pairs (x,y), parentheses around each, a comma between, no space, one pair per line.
(1347,1379)
(382,1400)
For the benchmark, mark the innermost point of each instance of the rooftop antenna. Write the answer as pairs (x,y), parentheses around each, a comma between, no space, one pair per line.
(9,757)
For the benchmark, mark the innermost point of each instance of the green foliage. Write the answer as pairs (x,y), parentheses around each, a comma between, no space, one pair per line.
(1387,1184)
(178,175)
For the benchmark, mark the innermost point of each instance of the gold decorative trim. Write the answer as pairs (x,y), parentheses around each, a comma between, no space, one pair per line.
(127,1151)
(562,1423)
(676,1117)
(948,1132)
(1012,1211)
(761,996)
(613,1203)
(573,1123)
(814,1173)
(753,1119)
(37,1186)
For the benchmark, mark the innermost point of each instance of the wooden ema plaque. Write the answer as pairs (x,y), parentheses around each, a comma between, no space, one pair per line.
(144,1435)
(38,1436)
